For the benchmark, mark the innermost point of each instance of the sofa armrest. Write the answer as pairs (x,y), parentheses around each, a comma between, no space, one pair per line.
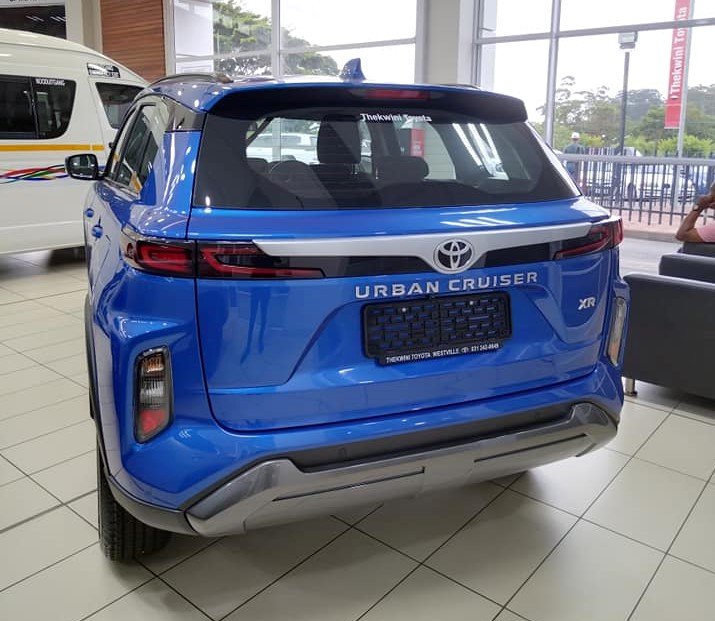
(671,333)
(689,266)
(702,248)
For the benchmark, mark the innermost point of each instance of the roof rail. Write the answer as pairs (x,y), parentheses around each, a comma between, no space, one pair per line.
(221,78)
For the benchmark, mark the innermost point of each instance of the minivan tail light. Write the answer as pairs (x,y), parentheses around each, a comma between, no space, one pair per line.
(153,390)
(602,236)
(244,260)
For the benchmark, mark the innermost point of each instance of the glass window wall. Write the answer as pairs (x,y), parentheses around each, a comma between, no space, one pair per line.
(237,37)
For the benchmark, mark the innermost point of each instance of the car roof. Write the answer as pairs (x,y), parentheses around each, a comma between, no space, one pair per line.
(202,91)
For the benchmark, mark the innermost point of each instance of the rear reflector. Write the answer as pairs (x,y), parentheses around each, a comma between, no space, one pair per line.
(615,334)
(152,400)
(602,236)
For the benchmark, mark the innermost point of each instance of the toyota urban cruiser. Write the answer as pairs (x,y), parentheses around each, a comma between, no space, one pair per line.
(429,304)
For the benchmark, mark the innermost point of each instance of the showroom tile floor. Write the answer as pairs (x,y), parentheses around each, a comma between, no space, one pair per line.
(626,533)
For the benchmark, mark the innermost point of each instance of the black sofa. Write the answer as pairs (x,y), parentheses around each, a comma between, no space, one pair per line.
(671,328)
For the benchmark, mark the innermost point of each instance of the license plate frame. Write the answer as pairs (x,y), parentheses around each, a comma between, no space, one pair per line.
(436,327)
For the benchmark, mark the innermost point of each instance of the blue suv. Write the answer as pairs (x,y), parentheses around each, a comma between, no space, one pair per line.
(412,295)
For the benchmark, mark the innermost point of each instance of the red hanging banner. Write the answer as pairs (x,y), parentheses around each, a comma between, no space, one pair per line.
(678,58)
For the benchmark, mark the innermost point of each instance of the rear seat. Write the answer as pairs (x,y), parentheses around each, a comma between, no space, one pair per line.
(338,149)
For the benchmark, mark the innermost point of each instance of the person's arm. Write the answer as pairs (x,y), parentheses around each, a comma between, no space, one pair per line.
(687,231)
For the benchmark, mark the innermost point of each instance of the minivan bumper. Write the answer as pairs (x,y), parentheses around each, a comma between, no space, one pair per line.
(276,491)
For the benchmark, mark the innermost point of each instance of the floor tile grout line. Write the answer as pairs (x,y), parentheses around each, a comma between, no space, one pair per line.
(695,418)
(52,564)
(35,386)
(6,343)
(668,554)
(501,492)
(154,576)
(34,363)
(80,516)
(674,470)
(646,587)
(41,329)
(573,526)
(42,407)
(541,563)
(385,595)
(43,435)
(516,614)
(7,529)
(691,563)
(30,475)
(184,597)
(183,560)
(116,599)
(285,573)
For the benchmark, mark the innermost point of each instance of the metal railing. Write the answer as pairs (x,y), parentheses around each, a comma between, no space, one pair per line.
(650,190)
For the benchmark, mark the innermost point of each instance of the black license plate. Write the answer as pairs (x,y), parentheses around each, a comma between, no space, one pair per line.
(426,329)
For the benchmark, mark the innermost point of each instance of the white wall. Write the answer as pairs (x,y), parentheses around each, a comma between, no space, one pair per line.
(193,27)
(449,32)
(84,23)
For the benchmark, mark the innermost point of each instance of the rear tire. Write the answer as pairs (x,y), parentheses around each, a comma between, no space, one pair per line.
(121,536)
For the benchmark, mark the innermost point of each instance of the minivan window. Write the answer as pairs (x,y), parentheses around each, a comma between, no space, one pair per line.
(116,99)
(371,156)
(35,107)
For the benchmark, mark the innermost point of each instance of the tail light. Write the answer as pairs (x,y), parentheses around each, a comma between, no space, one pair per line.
(190,259)
(153,394)
(602,236)
(175,258)
(615,334)
(246,260)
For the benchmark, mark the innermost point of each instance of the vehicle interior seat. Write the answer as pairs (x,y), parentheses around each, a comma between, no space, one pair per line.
(299,178)
(400,169)
(338,150)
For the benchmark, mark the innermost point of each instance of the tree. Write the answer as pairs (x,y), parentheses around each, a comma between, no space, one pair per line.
(239,30)
(597,116)
(639,102)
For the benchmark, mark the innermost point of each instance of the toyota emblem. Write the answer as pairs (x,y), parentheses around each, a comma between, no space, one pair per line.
(454,255)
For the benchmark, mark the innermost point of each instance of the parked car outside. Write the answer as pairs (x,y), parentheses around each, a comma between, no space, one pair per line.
(655,183)
(284,146)
(271,340)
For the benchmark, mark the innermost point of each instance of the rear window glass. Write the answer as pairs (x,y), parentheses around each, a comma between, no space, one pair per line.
(372,152)
(35,107)
(116,99)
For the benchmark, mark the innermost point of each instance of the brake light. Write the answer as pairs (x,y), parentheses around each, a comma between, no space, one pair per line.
(152,403)
(245,260)
(600,237)
(397,93)
(174,258)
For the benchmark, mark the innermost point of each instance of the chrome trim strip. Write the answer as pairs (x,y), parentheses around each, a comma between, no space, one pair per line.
(421,246)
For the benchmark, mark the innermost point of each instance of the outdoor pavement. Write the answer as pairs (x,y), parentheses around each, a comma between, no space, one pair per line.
(640,254)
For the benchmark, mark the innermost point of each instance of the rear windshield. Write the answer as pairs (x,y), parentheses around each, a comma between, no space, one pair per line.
(353,150)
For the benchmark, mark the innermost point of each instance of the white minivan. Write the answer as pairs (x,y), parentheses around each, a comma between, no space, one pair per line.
(56,98)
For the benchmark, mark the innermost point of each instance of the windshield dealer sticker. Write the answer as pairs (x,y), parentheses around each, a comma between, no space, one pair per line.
(389,116)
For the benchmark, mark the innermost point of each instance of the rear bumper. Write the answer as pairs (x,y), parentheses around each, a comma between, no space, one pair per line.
(276,491)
